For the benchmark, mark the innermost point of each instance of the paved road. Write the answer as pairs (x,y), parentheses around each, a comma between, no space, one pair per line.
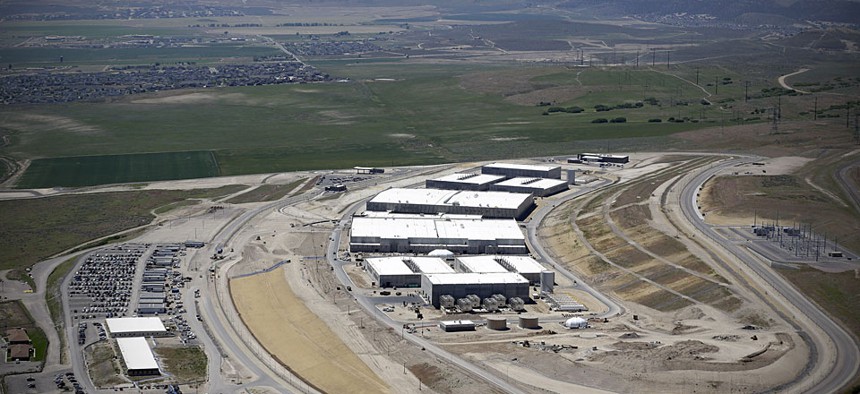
(847,354)
(848,184)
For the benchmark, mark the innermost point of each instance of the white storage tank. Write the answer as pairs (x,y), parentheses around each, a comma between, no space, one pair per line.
(576,322)
(476,301)
(500,298)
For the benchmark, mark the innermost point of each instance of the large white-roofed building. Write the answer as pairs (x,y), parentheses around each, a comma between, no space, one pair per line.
(538,187)
(511,170)
(404,271)
(460,285)
(137,356)
(135,327)
(422,235)
(526,266)
(432,201)
(459,181)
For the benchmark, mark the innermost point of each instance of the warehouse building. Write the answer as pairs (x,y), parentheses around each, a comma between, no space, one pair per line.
(432,201)
(538,187)
(422,235)
(137,356)
(151,309)
(135,327)
(459,285)
(526,266)
(602,158)
(404,271)
(474,182)
(522,170)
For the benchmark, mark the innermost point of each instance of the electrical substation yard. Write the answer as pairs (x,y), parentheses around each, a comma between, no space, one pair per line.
(299,338)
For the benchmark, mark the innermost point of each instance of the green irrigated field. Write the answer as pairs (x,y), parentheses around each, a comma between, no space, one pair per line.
(98,170)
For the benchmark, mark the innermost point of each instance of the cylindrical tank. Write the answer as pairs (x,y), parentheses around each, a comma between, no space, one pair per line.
(547,281)
(476,301)
(464,304)
(446,301)
(517,303)
(529,322)
(497,323)
(490,304)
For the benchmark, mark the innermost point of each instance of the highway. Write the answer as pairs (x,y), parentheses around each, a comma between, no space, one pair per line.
(847,355)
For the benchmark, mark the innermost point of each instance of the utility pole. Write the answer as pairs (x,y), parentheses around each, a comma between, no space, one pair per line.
(667,58)
(637,58)
(716,86)
(848,114)
(815,109)
(653,56)
(697,75)
(746,91)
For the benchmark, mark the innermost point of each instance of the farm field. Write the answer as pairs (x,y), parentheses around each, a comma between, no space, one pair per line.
(96,170)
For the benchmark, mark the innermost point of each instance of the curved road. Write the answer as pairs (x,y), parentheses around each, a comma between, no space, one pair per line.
(847,358)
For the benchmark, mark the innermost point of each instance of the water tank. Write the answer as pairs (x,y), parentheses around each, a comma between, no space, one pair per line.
(446,301)
(576,322)
(497,323)
(476,301)
(547,281)
(517,304)
(490,304)
(464,304)
(529,322)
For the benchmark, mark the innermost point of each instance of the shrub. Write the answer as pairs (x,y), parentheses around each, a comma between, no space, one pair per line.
(600,120)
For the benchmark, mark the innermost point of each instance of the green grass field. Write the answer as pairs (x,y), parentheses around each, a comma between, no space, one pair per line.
(33,229)
(97,170)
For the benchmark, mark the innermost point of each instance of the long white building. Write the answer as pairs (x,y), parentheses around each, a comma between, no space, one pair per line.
(422,235)
(135,327)
(460,285)
(526,266)
(459,181)
(404,271)
(538,187)
(432,201)
(137,356)
(511,170)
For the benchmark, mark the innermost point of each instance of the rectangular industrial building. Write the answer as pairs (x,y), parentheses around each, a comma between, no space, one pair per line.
(151,309)
(526,266)
(460,285)
(538,187)
(459,181)
(432,201)
(137,356)
(404,271)
(422,235)
(135,327)
(604,158)
(510,170)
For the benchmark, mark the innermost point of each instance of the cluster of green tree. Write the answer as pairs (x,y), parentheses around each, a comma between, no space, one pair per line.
(613,120)
(604,108)
(776,91)
(651,101)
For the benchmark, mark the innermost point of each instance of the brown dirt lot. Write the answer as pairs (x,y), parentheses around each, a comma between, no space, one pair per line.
(298,338)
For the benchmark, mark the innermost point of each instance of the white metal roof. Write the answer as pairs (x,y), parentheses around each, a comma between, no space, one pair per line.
(135,324)
(521,264)
(397,265)
(522,166)
(536,183)
(466,229)
(481,265)
(385,214)
(472,179)
(432,265)
(479,279)
(452,197)
(136,353)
